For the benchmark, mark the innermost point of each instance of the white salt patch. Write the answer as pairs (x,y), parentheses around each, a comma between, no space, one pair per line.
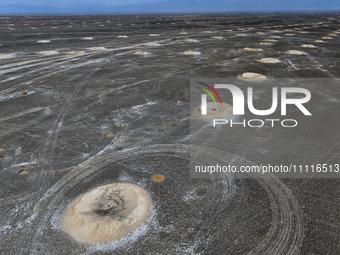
(141,53)
(269,60)
(191,40)
(43,41)
(295,52)
(265,43)
(249,76)
(191,52)
(307,46)
(217,37)
(48,52)
(154,35)
(75,52)
(10,55)
(87,38)
(96,48)
(122,36)
(252,49)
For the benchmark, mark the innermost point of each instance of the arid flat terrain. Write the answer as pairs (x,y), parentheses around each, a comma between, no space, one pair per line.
(87,101)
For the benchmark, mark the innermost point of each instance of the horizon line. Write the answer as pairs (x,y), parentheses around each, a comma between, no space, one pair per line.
(177,13)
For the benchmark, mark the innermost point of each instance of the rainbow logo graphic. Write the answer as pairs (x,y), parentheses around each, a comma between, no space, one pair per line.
(209,93)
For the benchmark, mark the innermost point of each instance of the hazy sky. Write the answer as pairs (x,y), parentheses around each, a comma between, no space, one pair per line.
(175,6)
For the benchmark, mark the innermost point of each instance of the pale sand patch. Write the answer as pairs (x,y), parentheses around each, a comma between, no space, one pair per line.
(269,60)
(241,34)
(206,32)
(191,52)
(75,52)
(275,36)
(332,34)
(141,53)
(96,48)
(252,49)
(191,40)
(153,35)
(43,41)
(87,38)
(217,111)
(260,33)
(183,33)
(302,32)
(9,55)
(295,52)
(217,37)
(265,43)
(249,76)
(48,52)
(270,40)
(107,213)
(326,38)
(307,46)
(319,41)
